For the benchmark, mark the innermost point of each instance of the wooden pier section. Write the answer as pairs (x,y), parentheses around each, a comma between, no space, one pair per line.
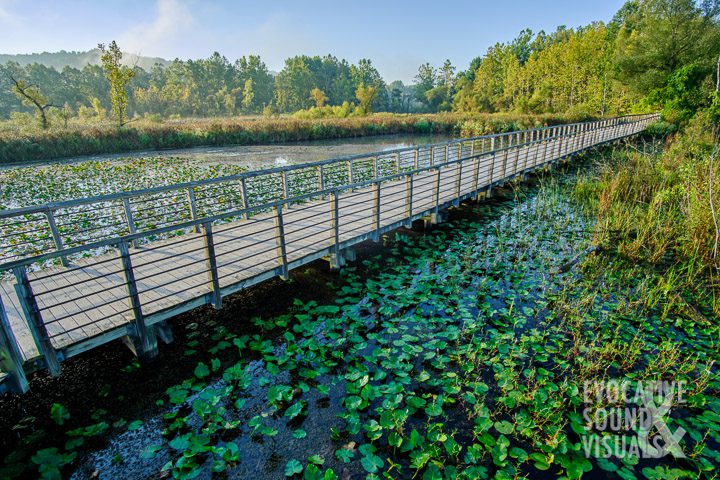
(81,273)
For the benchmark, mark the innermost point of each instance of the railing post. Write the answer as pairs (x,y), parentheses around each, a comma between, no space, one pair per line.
(558,140)
(409,196)
(432,155)
(37,326)
(505,162)
(416,159)
(193,207)
(492,171)
(336,260)
(280,241)
(376,210)
(447,154)
(397,162)
(321,177)
(213,278)
(129,218)
(476,175)
(128,215)
(286,193)
(243,193)
(143,340)
(458,180)
(11,359)
(57,239)
(437,191)
(350,172)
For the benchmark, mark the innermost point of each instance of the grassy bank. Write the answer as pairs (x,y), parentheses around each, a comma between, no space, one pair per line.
(659,205)
(27,143)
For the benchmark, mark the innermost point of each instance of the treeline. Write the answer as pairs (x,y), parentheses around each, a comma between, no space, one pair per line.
(212,87)
(654,54)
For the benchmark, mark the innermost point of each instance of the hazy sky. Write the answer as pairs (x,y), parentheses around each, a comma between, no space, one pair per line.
(396,35)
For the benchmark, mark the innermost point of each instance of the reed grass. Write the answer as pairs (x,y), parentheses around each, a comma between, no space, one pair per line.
(21,143)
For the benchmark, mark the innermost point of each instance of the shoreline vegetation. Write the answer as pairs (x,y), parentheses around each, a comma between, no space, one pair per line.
(17,145)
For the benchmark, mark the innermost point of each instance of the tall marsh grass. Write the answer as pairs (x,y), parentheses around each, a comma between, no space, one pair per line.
(19,143)
(655,206)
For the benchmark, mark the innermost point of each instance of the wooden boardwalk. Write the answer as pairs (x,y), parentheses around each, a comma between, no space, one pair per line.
(129,292)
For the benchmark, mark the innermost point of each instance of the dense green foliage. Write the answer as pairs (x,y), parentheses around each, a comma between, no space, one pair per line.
(654,54)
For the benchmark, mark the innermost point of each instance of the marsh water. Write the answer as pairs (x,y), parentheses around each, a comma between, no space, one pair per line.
(263,156)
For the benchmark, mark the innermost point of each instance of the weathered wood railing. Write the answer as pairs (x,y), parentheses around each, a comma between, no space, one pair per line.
(235,231)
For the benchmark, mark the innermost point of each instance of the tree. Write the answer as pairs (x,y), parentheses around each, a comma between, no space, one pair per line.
(293,85)
(365,74)
(119,77)
(424,81)
(65,113)
(522,46)
(659,36)
(30,96)
(248,95)
(366,97)
(318,96)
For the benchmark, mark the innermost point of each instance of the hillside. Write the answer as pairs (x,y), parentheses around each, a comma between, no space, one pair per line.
(78,60)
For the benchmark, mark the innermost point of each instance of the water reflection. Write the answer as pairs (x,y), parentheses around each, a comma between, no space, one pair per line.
(263,156)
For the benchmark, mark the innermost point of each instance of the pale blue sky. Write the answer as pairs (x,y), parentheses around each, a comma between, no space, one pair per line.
(396,35)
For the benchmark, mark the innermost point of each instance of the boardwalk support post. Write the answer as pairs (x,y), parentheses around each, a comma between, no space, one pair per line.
(11,359)
(141,339)
(35,322)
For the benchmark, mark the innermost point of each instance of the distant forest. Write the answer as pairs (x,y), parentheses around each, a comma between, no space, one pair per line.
(653,54)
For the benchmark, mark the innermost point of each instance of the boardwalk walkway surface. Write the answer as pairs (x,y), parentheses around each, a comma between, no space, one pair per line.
(164,251)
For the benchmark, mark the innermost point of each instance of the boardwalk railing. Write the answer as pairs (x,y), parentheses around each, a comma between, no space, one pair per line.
(134,259)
